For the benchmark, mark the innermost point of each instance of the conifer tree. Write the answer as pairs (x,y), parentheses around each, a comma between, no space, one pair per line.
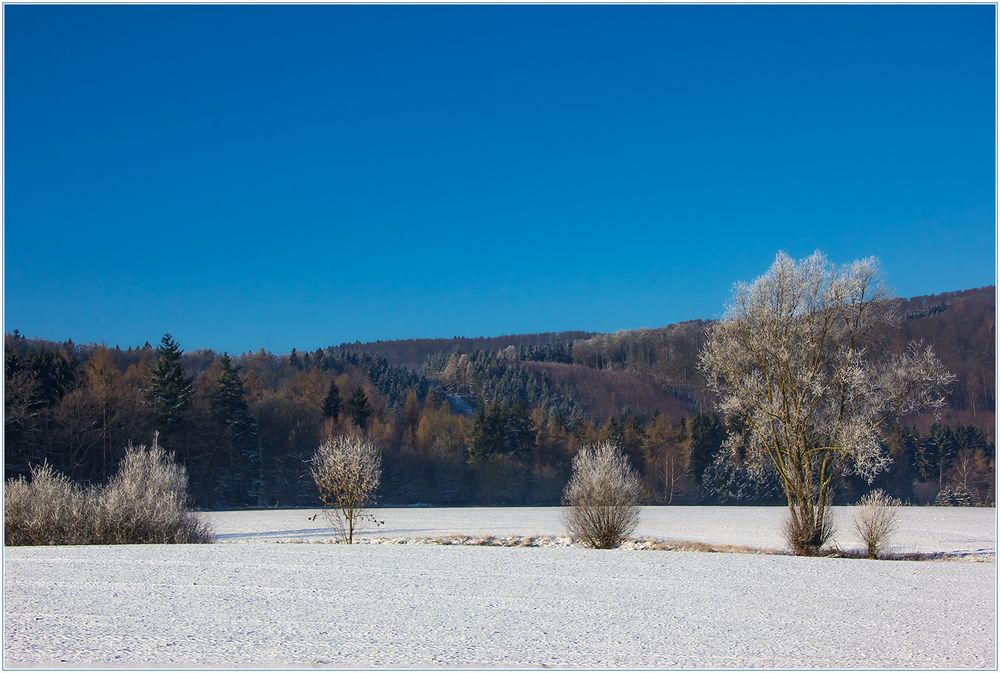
(169,391)
(707,435)
(359,408)
(331,405)
(519,431)
(483,438)
(239,430)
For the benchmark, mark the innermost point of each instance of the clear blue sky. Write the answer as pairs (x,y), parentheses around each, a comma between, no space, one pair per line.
(272,177)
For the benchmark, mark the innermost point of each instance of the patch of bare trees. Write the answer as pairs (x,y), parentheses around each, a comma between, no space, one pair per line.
(146,501)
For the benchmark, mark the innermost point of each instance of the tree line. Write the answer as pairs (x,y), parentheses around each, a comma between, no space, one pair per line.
(477,430)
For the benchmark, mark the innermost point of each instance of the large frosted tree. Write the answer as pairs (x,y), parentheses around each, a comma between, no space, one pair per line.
(802,370)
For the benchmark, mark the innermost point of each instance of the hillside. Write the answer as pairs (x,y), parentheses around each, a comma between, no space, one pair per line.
(413,352)
(655,369)
(605,392)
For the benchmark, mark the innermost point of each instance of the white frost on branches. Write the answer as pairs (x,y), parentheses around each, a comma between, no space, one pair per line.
(602,496)
(346,470)
(803,373)
(799,362)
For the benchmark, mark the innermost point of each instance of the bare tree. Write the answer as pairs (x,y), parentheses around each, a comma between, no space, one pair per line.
(602,496)
(346,469)
(673,472)
(801,369)
(875,521)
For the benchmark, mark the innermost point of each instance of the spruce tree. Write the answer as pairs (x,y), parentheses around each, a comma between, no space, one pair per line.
(707,435)
(519,431)
(359,408)
(169,392)
(331,405)
(238,429)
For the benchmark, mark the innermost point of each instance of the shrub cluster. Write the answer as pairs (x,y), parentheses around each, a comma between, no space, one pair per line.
(145,502)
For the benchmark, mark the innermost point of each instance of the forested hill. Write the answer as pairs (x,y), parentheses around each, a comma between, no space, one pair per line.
(414,352)
(656,369)
(460,421)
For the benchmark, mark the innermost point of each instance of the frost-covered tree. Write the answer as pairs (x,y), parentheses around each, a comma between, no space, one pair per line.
(803,373)
(347,469)
(602,496)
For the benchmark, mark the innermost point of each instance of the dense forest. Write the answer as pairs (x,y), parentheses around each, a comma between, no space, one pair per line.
(465,421)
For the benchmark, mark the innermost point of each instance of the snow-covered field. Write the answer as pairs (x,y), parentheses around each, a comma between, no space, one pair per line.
(251,603)
(921,529)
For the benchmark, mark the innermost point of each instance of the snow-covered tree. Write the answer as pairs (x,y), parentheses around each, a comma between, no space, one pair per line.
(803,373)
(347,469)
(602,496)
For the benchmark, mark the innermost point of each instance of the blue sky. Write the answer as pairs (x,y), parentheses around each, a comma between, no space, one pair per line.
(258,176)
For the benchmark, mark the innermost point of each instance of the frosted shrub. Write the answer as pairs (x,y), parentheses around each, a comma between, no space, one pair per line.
(806,531)
(49,509)
(146,502)
(347,469)
(875,521)
(602,497)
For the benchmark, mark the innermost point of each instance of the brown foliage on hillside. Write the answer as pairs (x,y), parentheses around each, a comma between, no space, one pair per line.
(605,392)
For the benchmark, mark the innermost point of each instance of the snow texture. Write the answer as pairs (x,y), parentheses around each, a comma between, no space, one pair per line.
(254,604)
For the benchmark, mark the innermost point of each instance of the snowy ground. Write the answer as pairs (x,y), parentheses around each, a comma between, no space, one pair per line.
(921,529)
(254,604)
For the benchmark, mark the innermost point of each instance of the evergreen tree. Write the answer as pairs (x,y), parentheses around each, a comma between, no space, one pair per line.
(230,412)
(487,436)
(359,408)
(707,435)
(332,403)
(169,392)
(479,442)
(228,400)
(518,431)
